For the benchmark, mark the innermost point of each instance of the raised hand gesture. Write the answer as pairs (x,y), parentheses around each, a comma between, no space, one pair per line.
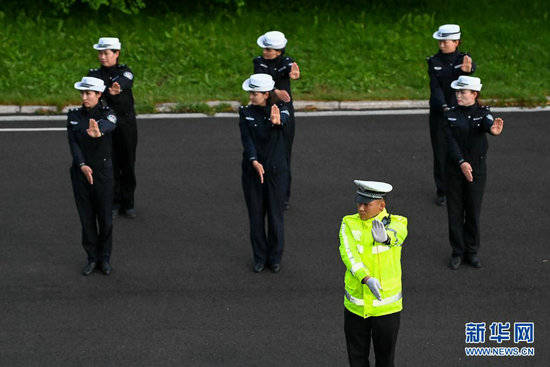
(275,115)
(498,124)
(115,89)
(379,232)
(93,129)
(466,169)
(466,64)
(294,71)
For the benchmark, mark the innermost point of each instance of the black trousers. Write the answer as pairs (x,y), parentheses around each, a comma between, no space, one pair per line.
(94,205)
(464,208)
(263,200)
(439,149)
(124,163)
(290,141)
(359,332)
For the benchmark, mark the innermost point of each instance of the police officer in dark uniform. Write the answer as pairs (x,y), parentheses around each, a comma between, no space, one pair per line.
(444,67)
(466,129)
(282,69)
(89,130)
(118,95)
(265,169)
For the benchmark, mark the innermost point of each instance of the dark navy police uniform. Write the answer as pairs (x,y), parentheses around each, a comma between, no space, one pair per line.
(466,132)
(279,69)
(93,202)
(442,69)
(266,143)
(125,136)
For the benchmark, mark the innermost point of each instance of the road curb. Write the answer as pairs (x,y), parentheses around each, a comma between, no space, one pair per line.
(228,106)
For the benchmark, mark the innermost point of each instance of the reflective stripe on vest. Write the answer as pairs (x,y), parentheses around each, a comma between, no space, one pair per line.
(375,302)
(355,265)
(380,248)
(385,301)
(352,299)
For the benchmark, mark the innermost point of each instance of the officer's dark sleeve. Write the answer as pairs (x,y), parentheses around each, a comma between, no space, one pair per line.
(246,138)
(108,123)
(257,68)
(76,152)
(285,114)
(288,63)
(125,79)
(487,122)
(453,147)
(437,98)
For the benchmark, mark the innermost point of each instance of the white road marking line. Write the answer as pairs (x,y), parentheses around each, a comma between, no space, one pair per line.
(32,129)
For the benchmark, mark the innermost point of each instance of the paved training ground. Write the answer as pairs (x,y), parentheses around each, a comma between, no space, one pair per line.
(183,294)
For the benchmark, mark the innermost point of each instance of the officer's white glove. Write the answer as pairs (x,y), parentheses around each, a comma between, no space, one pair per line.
(379,232)
(375,287)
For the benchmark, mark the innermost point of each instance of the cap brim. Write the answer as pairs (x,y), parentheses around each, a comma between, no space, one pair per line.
(361,199)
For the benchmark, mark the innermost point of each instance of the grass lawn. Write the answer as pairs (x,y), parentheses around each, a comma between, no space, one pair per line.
(371,52)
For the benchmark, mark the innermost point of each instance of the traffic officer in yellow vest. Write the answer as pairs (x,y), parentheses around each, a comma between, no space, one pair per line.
(370,246)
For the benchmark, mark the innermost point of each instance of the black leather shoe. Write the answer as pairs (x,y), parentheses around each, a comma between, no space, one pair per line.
(89,268)
(441,200)
(130,213)
(106,268)
(455,261)
(287,205)
(275,268)
(258,268)
(474,261)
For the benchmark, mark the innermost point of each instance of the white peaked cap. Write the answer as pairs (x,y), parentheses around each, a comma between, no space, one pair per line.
(467,82)
(108,43)
(371,190)
(90,83)
(447,32)
(273,39)
(259,83)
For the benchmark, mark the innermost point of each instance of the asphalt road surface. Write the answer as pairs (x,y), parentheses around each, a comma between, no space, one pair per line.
(183,293)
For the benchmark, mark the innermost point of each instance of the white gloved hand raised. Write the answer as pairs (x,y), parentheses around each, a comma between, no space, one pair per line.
(379,232)
(375,287)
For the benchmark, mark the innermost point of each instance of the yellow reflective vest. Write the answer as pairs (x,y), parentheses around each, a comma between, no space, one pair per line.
(364,257)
